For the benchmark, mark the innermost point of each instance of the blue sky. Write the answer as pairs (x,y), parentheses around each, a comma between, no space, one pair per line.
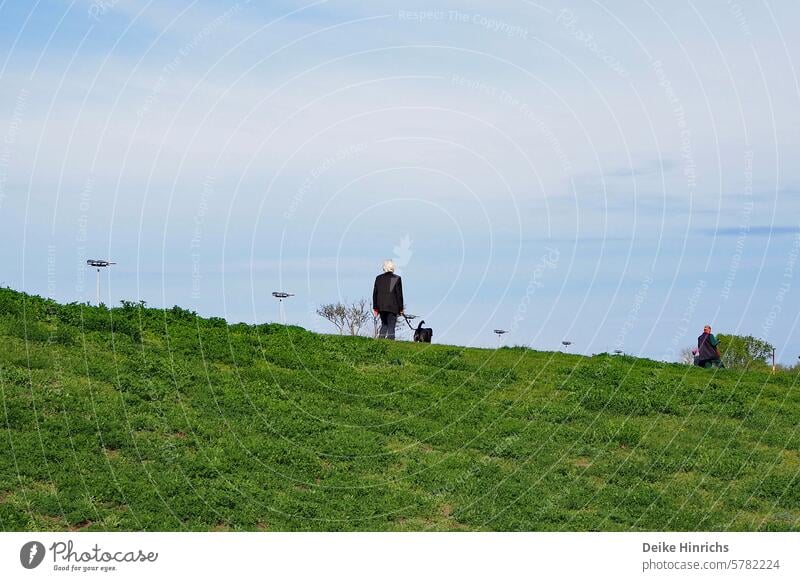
(617,175)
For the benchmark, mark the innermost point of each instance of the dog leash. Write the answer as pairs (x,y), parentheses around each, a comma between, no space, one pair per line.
(409,324)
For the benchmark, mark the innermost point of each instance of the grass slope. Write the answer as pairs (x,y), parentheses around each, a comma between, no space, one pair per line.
(144,419)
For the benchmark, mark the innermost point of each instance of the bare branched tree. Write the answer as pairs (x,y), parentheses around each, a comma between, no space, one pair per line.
(376,325)
(400,327)
(686,356)
(347,318)
(358,314)
(335,313)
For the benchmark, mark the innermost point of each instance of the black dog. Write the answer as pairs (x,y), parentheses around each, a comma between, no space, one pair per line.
(423,335)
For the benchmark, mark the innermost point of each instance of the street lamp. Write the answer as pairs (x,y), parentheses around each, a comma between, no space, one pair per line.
(280,296)
(98,264)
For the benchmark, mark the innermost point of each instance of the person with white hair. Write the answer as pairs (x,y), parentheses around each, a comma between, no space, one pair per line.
(387,299)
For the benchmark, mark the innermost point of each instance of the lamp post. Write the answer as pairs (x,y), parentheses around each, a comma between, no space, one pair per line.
(280,295)
(98,264)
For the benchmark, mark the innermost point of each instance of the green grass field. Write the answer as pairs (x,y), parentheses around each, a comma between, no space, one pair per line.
(145,419)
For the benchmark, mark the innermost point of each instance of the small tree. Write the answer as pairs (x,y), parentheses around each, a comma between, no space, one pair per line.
(376,325)
(744,351)
(358,313)
(334,313)
(346,318)
(686,356)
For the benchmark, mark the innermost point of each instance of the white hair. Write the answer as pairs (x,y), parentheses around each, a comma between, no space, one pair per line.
(388,266)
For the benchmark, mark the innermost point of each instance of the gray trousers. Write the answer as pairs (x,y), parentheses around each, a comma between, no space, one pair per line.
(388,322)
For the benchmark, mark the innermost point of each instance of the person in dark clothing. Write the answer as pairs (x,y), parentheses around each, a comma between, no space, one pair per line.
(387,299)
(707,351)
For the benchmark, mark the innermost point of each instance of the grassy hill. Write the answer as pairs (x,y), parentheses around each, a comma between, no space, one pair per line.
(144,419)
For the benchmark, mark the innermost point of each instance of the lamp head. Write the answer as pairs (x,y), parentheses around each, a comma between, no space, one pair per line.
(99,263)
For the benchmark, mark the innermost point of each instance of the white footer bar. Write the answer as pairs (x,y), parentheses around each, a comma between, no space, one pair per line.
(400,556)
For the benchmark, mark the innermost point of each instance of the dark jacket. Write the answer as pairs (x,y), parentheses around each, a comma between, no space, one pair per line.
(387,294)
(707,347)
